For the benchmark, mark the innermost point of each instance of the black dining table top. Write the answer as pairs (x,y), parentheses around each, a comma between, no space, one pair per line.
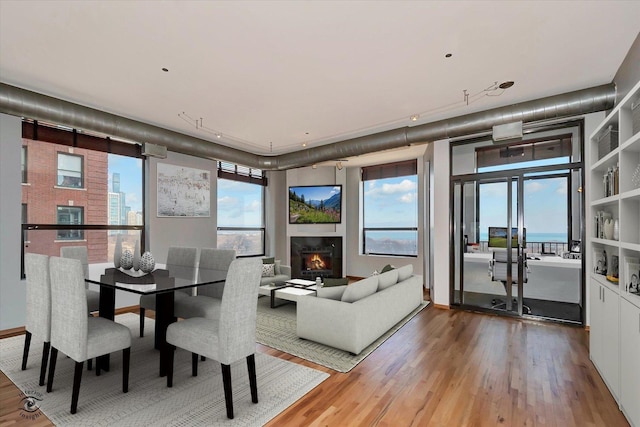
(167,279)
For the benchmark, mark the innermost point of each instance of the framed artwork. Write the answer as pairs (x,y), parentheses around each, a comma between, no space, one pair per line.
(632,275)
(599,261)
(183,191)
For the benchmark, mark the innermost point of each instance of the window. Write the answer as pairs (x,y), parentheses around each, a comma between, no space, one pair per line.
(390,209)
(70,215)
(23,164)
(25,220)
(241,210)
(69,171)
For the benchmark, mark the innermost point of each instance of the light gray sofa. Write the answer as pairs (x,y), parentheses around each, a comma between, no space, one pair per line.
(282,273)
(352,317)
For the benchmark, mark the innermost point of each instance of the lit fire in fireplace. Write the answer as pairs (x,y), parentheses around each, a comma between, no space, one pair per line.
(315,262)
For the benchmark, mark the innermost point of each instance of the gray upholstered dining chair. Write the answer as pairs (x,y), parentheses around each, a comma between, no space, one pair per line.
(38,315)
(207,302)
(77,335)
(80,253)
(229,338)
(177,256)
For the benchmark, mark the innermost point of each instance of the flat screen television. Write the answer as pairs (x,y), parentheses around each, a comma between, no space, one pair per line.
(498,237)
(315,204)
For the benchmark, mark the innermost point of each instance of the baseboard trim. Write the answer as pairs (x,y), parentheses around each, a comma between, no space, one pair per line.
(20,330)
(442,306)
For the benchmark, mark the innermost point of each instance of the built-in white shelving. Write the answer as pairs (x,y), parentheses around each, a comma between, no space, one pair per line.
(614,310)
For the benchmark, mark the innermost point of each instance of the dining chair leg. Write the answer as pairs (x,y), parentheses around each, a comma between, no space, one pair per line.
(228,397)
(202,358)
(251,366)
(77,377)
(126,356)
(170,353)
(97,368)
(142,310)
(194,364)
(43,365)
(90,364)
(52,368)
(25,352)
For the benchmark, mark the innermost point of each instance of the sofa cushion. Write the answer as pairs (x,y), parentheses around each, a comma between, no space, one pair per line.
(329,282)
(268,270)
(276,269)
(331,292)
(405,272)
(360,289)
(387,279)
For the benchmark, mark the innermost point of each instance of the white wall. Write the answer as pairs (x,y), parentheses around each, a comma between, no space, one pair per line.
(12,290)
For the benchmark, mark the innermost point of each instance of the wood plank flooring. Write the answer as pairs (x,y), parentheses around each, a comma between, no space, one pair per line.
(449,368)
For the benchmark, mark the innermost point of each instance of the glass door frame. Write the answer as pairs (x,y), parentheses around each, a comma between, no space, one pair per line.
(509,176)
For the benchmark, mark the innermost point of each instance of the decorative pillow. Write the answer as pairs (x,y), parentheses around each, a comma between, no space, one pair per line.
(268,260)
(268,270)
(276,269)
(332,292)
(330,282)
(360,289)
(405,272)
(386,268)
(387,279)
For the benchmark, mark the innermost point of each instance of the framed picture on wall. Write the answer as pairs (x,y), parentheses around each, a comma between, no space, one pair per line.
(183,191)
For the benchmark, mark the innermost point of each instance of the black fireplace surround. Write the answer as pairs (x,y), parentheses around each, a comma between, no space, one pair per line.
(316,256)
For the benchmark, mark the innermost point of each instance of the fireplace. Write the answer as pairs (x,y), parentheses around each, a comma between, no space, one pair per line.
(313,257)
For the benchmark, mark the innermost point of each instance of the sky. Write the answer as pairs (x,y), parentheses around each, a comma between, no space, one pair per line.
(322,192)
(391,202)
(239,204)
(130,170)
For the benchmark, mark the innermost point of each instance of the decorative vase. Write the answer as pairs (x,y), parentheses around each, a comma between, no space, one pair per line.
(117,252)
(608,229)
(126,261)
(147,263)
(616,230)
(136,256)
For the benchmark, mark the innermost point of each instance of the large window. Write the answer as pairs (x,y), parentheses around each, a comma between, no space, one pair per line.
(70,215)
(69,170)
(390,209)
(241,209)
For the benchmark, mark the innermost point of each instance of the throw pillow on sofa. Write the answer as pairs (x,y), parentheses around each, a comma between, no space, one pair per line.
(360,289)
(387,279)
(386,268)
(329,282)
(268,260)
(268,270)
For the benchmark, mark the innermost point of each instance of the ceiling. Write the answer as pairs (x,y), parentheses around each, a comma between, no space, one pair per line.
(269,76)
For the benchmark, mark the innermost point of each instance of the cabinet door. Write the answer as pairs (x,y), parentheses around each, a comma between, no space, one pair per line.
(611,340)
(630,361)
(596,326)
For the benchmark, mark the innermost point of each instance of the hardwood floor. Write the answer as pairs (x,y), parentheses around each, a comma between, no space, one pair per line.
(449,368)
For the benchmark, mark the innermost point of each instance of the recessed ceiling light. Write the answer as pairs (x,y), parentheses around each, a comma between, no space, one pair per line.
(304,144)
(506,85)
(166,70)
(448,55)
(415,117)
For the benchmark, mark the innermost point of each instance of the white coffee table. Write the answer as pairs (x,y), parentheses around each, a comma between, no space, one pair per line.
(289,291)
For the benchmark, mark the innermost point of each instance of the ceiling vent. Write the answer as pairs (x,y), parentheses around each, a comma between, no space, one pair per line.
(507,132)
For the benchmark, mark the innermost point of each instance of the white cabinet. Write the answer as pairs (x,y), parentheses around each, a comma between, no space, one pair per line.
(630,361)
(604,335)
(614,313)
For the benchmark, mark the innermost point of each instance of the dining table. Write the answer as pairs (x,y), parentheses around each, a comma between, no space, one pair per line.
(163,283)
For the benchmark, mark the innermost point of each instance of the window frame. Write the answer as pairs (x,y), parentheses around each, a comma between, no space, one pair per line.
(61,185)
(75,236)
(386,171)
(24,161)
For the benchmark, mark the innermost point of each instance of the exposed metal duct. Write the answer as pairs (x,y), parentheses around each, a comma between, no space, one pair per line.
(21,102)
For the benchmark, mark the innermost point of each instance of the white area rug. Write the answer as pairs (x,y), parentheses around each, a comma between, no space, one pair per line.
(277,329)
(192,401)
